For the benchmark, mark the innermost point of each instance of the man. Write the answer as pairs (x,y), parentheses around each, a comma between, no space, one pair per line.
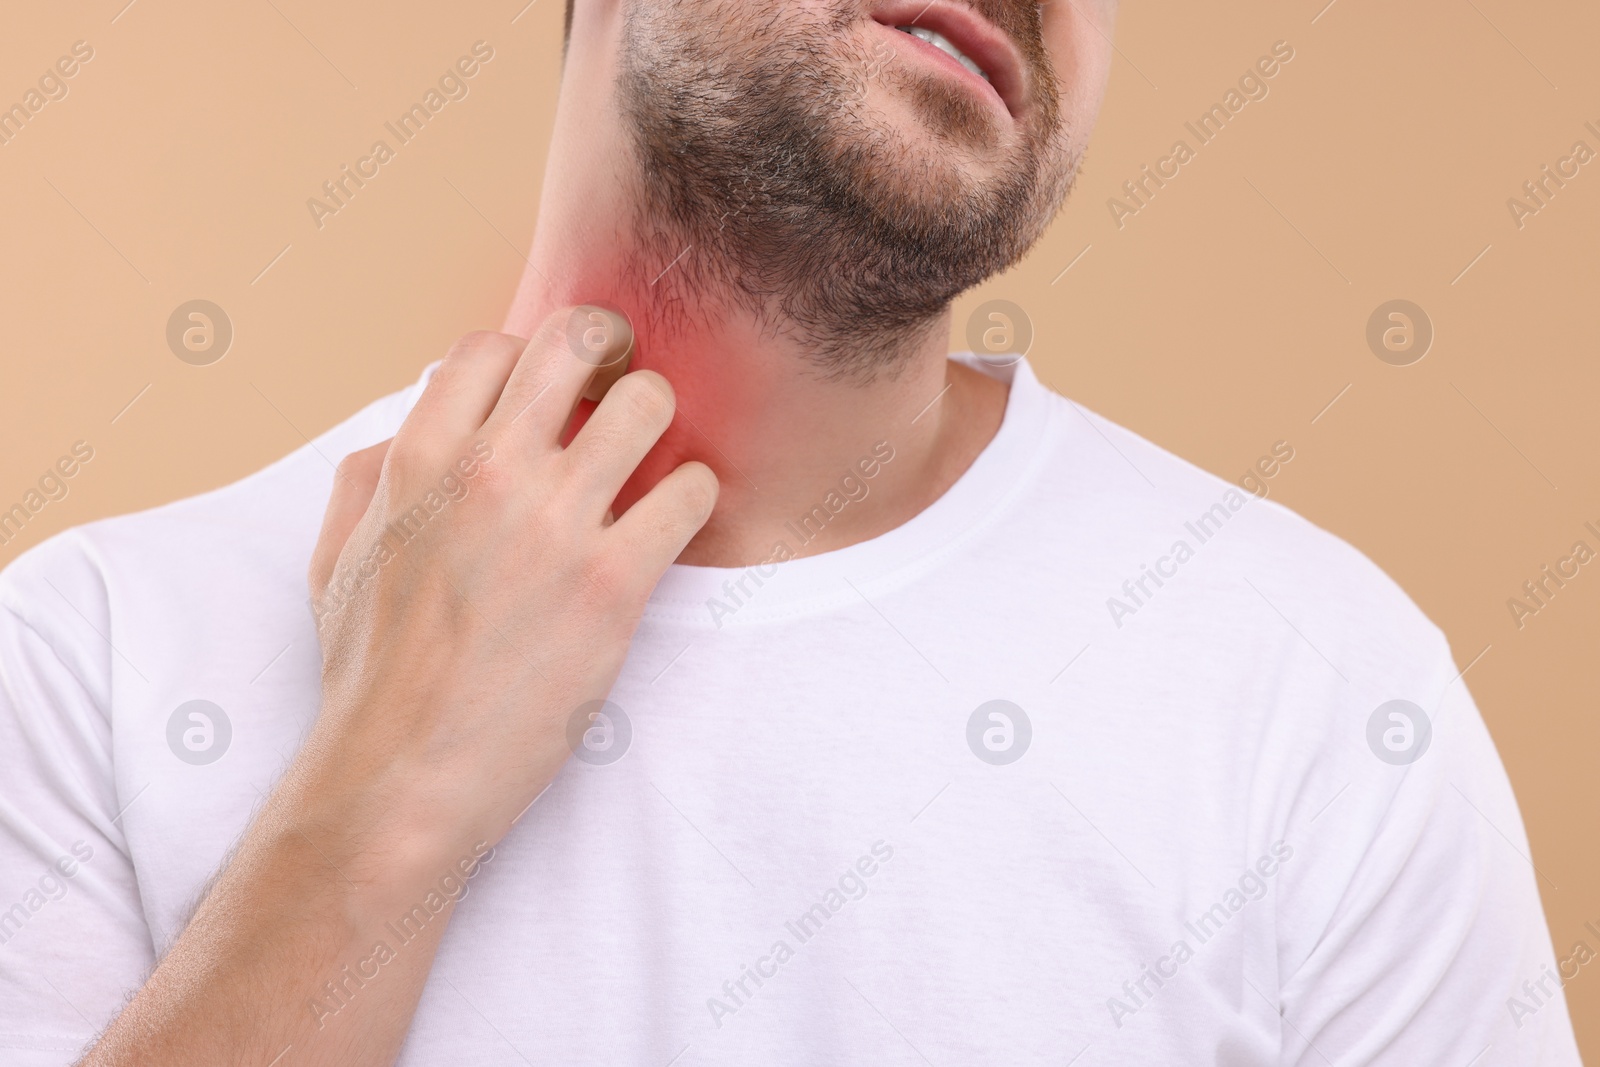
(810,698)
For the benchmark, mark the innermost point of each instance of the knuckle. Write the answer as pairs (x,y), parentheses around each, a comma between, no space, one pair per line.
(406,453)
(350,467)
(478,343)
(469,355)
(648,395)
(554,331)
(604,578)
(698,493)
(691,497)
(490,480)
(662,530)
(362,466)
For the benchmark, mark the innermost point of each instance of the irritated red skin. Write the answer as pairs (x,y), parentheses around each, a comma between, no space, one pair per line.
(712,431)
(753,409)
(750,404)
(719,395)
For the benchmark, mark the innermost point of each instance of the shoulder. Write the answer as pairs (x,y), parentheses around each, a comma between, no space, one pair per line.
(1190,557)
(257,530)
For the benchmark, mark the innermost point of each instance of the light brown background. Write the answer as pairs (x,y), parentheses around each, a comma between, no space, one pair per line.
(1222,318)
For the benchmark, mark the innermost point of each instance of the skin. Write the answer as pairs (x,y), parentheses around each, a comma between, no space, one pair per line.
(451,672)
(746,391)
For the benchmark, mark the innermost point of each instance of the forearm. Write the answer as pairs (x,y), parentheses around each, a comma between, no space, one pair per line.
(454,663)
(317,938)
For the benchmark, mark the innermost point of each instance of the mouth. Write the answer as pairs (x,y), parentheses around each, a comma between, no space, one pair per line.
(963,42)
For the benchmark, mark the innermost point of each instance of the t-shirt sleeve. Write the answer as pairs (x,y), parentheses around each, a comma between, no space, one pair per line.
(73,938)
(1412,931)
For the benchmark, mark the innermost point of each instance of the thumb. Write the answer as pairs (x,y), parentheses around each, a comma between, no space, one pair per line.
(354,484)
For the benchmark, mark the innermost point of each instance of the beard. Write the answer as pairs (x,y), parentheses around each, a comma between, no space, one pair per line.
(767,183)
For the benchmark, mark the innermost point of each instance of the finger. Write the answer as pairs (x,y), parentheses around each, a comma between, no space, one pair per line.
(656,529)
(626,425)
(353,486)
(464,390)
(607,341)
(569,350)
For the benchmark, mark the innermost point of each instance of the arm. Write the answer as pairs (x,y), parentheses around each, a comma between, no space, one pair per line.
(73,938)
(1410,928)
(472,592)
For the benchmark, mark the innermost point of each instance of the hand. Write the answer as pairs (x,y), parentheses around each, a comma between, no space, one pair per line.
(473,589)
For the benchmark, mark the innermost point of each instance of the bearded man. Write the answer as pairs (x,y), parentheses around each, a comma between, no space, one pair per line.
(760,704)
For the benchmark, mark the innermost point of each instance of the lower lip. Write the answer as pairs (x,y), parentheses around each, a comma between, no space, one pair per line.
(949,63)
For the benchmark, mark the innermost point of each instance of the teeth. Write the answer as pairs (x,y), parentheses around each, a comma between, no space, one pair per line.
(941,42)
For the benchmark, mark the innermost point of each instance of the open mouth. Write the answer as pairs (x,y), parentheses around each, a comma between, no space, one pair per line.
(944,44)
(956,35)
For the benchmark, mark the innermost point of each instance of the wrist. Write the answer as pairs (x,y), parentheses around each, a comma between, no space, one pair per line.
(375,825)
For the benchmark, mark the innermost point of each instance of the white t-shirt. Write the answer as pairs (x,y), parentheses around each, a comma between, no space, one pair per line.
(1094,761)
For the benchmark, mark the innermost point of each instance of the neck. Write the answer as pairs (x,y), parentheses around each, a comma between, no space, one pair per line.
(784,436)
